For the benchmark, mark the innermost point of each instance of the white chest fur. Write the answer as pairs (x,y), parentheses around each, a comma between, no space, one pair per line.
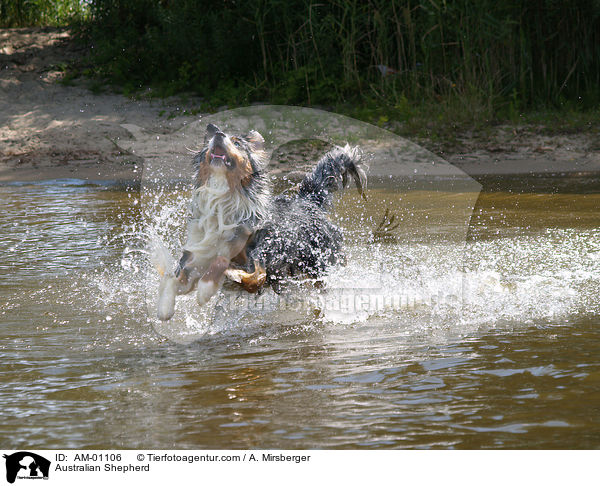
(216,212)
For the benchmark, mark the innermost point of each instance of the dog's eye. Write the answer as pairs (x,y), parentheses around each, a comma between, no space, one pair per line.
(237,144)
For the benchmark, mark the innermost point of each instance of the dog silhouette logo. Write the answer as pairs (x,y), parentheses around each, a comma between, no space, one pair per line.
(26,464)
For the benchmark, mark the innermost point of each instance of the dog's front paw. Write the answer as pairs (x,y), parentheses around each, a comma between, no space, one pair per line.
(205,291)
(166,298)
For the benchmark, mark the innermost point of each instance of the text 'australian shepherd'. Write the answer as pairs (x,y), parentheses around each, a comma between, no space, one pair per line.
(237,230)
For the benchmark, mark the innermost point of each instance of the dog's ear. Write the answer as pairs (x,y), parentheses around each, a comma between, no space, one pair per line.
(256,140)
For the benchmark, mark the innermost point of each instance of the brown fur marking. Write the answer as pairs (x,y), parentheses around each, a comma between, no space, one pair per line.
(241,174)
(237,177)
(250,282)
(204,171)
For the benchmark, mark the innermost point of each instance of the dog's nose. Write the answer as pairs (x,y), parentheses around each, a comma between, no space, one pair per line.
(220,134)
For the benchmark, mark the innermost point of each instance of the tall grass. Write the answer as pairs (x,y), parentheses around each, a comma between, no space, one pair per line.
(485,56)
(27,13)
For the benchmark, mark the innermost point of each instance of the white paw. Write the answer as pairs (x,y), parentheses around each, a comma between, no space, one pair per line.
(205,291)
(166,298)
(235,275)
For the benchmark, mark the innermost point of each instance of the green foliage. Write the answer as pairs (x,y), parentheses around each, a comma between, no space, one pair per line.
(506,56)
(480,59)
(26,13)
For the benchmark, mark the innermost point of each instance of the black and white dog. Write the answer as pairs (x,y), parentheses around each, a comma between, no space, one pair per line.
(237,230)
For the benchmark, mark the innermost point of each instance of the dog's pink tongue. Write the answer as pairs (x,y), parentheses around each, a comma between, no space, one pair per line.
(218,151)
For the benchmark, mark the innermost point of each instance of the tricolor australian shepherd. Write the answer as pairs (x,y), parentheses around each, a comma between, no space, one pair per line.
(237,230)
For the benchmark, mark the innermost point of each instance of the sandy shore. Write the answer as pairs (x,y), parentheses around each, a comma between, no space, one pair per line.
(51,131)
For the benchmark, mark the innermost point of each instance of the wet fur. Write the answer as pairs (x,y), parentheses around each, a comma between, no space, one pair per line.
(298,238)
(230,198)
(236,229)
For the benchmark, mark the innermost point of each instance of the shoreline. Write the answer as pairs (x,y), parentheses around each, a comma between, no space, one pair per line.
(52,131)
(572,182)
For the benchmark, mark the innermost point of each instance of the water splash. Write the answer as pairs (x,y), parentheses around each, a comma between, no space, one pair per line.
(520,280)
(90,260)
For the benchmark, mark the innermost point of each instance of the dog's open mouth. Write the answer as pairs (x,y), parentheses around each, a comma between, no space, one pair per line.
(218,155)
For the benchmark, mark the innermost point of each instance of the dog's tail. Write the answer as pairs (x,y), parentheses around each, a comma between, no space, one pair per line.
(331,174)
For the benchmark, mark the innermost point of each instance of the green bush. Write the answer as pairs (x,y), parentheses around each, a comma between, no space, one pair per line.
(487,57)
(26,13)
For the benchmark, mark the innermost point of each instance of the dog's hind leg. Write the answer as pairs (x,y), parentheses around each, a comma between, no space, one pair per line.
(251,282)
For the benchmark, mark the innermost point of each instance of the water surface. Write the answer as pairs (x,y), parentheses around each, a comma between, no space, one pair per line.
(511,363)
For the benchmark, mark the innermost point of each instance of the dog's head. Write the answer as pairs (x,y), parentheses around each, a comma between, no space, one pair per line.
(237,158)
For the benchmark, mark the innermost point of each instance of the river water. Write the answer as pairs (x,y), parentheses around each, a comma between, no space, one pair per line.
(488,343)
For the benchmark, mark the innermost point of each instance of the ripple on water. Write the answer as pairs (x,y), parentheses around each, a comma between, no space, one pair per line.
(381,358)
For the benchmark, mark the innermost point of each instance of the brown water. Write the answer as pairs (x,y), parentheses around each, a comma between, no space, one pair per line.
(513,363)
